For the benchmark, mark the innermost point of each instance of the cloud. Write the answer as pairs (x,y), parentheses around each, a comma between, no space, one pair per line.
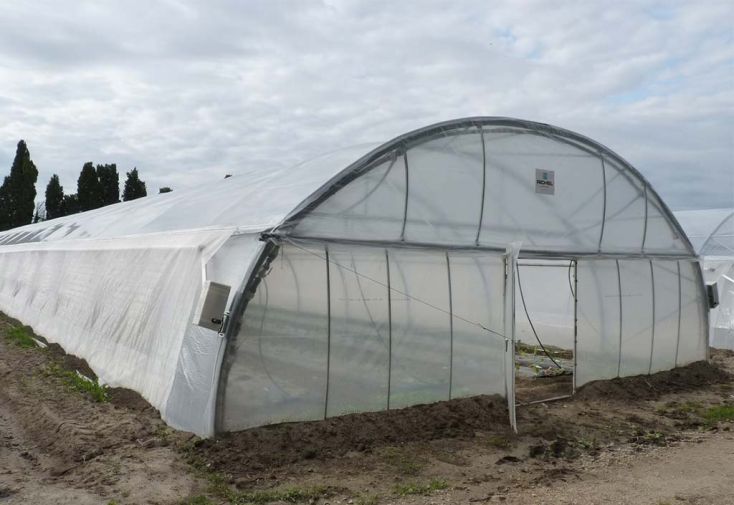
(188,91)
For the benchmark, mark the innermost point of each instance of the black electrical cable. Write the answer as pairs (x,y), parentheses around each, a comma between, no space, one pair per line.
(527,314)
(570,286)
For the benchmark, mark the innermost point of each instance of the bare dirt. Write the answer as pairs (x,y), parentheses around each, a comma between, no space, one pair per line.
(649,440)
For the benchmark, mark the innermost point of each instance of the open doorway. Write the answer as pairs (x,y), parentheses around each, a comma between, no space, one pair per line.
(545,308)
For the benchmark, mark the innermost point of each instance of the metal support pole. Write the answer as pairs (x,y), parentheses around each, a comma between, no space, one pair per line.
(677,341)
(389,328)
(575,319)
(652,340)
(328,330)
(604,202)
(451,328)
(644,230)
(405,206)
(619,284)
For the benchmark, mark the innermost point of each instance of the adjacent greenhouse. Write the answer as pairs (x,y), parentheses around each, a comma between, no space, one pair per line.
(368,279)
(712,234)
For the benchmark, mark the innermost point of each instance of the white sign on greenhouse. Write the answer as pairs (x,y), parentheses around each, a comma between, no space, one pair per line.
(368,279)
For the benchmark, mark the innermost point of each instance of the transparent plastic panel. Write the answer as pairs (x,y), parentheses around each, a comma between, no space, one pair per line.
(661,235)
(722,317)
(721,242)
(518,202)
(693,341)
(625,211)
(477,286)
(279,368)
(598,321)
(546,286)
(360,336)
(637,317)
(665,274)
(445,189)
(421,343)
(371,206)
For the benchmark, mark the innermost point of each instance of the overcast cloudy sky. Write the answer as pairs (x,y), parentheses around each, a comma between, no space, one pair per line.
(188,91)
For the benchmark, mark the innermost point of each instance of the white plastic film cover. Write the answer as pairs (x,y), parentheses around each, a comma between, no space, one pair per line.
(616,335)
(308,349)
(421,363)
(514,210)
(360,330)
(490,185)
(665,343)
(192,402)
(637,317)
(122,304)
(711,232)
(599,322)
(693,342)
(279,372)
(477,287)
(445,189)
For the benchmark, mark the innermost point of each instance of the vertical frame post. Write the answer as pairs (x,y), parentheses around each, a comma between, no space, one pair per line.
(389,328)
(621,319)
(677,340)
(652,340)
(575,320)
(511,256)
(328,330)
(451,328)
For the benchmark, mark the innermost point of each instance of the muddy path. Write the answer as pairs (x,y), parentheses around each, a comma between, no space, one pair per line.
(630,438)
(58,445)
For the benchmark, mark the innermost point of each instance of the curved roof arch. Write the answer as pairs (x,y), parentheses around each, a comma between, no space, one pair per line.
(711,231)
(617,210)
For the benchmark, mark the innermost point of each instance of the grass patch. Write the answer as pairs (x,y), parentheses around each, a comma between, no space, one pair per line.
(722,413)
(218,487)
(21,336)
(290,495)
(197,500)
(420,489)
(500,442)
(96,391)
(403,462)
(367,499)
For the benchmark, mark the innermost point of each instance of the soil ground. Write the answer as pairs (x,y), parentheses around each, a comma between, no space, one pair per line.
(652,440)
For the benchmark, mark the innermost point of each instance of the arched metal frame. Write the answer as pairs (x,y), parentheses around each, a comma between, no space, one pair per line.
(399,146)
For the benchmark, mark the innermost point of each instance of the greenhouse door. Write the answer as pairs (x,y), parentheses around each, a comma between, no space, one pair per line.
(545,329)
(509,330)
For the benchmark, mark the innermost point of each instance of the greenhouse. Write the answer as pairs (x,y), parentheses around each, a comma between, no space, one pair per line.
(711,232)
(371,278)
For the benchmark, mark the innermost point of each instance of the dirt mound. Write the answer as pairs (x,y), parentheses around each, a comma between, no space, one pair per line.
(288,443)
(650,387)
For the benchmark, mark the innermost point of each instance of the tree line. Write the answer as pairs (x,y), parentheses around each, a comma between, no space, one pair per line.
(97,186)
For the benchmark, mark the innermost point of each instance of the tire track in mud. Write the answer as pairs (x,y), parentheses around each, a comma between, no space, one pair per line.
(58,446)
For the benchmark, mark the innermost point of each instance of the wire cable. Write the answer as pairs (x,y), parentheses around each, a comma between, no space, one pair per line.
(427,304)
(527,314)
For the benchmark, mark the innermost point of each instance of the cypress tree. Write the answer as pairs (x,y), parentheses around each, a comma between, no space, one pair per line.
(54,198)
(18,191)
(134,187)
(89,189)
(70,205)
(109,179)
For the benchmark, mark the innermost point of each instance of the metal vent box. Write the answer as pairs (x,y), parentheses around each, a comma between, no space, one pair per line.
(212,305)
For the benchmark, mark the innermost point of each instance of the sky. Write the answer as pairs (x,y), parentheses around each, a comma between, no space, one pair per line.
(188,91)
